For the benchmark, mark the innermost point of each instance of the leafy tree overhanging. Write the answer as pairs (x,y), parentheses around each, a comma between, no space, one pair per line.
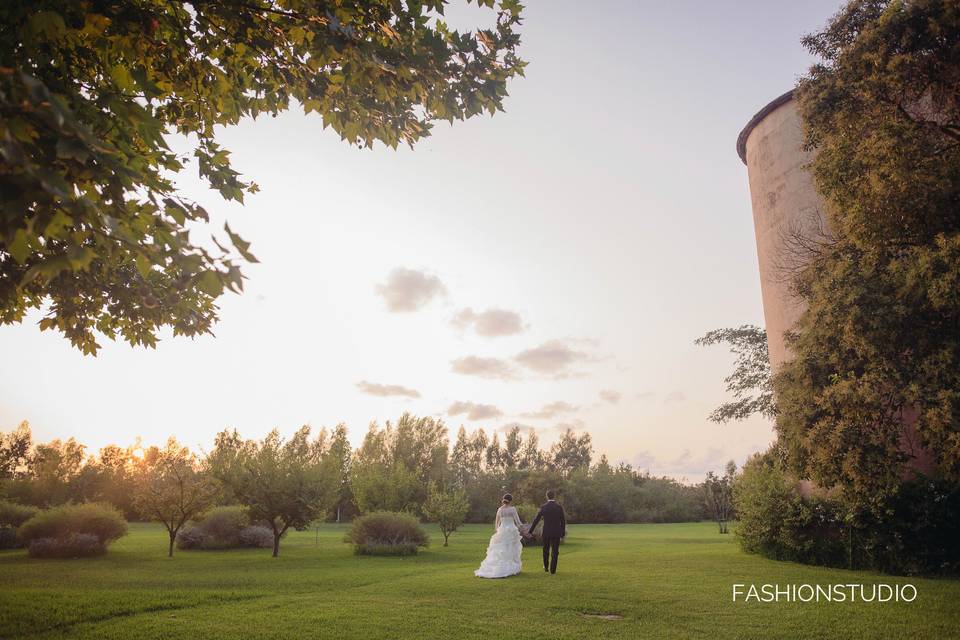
(91,222)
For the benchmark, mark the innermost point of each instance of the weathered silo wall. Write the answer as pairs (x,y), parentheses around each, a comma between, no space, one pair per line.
(786,207)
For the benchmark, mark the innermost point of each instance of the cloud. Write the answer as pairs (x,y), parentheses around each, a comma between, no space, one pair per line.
(384,390)
(675,397)
(409,290)
(491,368)
(474,411)
(685,464)
(490,323)
(572,425)
(613,397)
(551,358)
(644,461)
(551,410)
(646,395)
(505,428)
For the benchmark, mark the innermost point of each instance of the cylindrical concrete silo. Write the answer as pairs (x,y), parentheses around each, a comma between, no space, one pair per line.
(786,206)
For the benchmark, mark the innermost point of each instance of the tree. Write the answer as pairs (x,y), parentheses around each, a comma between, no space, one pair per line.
(531,458)
(460,466)
(447,507)
(116,469)
(282,483)
(14,449)
(494,455)
(751,381)
(380,487)
(571,452)
(872,392)
(512,445)
(340,455)
(92,222)
(719,495)
(421,445)
(395,464)
(172,489)
(50,474)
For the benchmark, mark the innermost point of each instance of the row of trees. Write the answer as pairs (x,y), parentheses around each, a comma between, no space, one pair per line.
(405,466)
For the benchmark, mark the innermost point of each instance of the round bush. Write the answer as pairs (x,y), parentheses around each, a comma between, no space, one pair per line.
(387,533)
(190,538)
(102,521)
(74,545)
(257,536)
(13,515)
(224,528)
(223,525)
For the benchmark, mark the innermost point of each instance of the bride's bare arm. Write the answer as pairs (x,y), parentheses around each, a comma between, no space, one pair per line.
(496,524)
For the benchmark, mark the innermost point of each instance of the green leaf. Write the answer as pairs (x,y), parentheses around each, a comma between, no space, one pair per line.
(80,257)
(19,248)
(175,211)
(47,269)
(58,224)
(210,283)
(71,148)
(121,75)
(143,265)
(241,245)
(48,23)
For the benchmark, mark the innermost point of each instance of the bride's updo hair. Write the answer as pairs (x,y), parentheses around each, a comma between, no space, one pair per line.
(507,498)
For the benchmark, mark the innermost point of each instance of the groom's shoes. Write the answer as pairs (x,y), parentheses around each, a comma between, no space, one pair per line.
(545,570)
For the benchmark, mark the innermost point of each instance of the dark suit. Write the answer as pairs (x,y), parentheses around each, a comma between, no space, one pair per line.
(554,528)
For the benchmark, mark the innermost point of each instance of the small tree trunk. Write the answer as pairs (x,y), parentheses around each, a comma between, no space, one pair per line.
(446,538)
(276,543)
(173,536)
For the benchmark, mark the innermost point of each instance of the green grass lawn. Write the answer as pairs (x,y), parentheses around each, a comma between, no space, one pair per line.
(666,581)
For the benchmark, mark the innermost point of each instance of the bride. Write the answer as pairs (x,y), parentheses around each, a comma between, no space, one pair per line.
(503,553)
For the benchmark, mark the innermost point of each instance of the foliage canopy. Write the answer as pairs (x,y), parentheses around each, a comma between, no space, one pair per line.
(873,391)
(91,220)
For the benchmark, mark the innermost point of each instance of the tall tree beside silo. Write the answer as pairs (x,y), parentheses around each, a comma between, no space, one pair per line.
(875,382)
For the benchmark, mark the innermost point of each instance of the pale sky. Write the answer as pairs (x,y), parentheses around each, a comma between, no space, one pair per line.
(604,218)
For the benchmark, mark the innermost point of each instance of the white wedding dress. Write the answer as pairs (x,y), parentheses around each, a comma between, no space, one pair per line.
(505,548)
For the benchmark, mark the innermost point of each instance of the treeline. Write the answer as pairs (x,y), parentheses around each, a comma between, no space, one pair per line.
(392,470)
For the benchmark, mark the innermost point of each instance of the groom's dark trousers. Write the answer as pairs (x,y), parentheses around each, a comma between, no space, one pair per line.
(554,528)
(551,550)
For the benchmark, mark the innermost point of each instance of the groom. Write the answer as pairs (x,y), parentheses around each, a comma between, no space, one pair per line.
(554,528)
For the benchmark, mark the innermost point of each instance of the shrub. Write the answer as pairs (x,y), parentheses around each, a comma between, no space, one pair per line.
(224,528)
(912,531)
(13,515)
(918,531)
(387,533)
(778,522)
(256,536)
(101,521)
(8,538)
(224,523)
(74,545)
(190,538)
